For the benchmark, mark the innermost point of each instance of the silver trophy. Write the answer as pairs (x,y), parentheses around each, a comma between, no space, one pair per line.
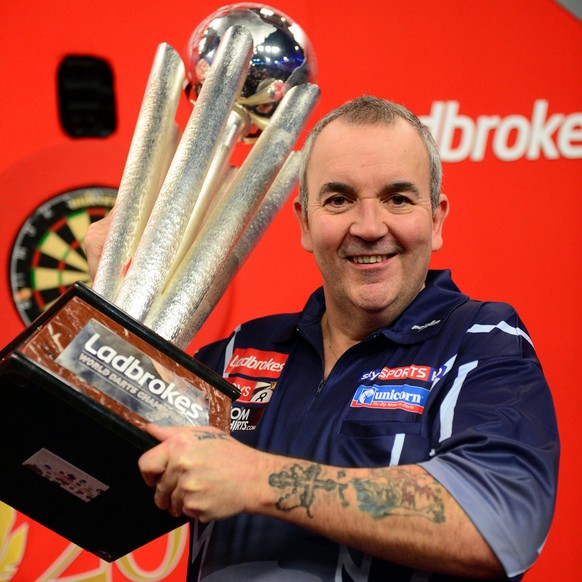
(100,364)
(250,72)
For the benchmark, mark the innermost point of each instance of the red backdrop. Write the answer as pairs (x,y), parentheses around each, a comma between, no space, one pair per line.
(500,84)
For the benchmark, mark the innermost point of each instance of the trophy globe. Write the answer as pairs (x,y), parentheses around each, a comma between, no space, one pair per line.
(282,58)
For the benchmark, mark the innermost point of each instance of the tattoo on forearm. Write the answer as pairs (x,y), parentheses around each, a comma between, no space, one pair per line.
(401,493)
(397,492)
(205,436)
(300,485)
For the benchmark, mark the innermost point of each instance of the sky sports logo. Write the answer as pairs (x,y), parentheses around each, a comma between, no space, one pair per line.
(414,372)
(405,397)
(510,138)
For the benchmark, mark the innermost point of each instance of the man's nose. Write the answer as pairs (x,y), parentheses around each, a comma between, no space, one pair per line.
(369,220)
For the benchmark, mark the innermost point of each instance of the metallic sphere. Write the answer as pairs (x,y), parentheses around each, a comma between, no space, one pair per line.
(283,57)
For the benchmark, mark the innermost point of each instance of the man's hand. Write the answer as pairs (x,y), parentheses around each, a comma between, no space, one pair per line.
(95,240)
(202,472)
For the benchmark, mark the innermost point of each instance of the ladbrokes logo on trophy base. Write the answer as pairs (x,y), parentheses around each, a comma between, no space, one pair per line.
(118,369)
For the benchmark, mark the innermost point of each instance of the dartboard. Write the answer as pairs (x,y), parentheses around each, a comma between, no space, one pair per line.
(47,256)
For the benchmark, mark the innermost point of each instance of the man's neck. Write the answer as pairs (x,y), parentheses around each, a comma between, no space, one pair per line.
(340,334)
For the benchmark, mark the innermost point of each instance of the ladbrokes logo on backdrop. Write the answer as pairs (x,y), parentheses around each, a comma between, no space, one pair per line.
(543,134)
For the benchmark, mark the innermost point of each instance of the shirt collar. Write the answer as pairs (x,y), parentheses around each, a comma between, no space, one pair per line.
(422,319)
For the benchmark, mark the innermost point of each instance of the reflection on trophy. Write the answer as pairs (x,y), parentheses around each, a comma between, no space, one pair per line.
(80,384)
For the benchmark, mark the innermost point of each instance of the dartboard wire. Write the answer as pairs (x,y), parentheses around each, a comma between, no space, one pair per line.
(72,211)
(63,278)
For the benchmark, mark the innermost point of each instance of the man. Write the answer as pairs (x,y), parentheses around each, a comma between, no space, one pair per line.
(394,429)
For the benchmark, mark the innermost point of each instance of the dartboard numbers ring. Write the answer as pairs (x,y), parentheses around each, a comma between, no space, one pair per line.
(48,255)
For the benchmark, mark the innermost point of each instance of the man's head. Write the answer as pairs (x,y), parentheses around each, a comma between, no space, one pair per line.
(369,110)
(372,212)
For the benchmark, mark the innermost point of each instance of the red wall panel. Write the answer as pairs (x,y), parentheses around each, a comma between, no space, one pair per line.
(513,233)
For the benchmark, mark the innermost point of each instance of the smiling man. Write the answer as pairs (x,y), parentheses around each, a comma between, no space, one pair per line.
(369,221)
(394,429)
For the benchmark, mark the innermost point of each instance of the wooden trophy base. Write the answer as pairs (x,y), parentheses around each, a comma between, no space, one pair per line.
(77,388)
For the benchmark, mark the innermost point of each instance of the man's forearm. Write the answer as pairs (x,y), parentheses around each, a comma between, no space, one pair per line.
(401,514)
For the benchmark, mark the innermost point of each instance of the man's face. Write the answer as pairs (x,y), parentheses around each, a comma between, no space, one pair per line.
(369,220)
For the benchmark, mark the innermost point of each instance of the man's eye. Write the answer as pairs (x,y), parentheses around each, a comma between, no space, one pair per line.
(398,200)
(336,201)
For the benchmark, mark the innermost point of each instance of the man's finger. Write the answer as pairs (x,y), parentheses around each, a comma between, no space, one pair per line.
(163,433)
(152,465)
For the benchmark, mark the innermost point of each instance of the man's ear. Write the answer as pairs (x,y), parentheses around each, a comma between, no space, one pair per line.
(303,225)
(438,219)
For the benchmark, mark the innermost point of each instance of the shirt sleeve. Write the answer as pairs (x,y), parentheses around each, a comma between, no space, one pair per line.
(496,444)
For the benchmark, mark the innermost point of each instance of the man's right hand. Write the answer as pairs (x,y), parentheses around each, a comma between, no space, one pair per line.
(94,241)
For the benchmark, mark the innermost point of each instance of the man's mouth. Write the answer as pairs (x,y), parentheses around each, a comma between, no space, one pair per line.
(368,259)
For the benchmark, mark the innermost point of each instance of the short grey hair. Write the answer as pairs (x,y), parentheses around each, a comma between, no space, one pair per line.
(369,110)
